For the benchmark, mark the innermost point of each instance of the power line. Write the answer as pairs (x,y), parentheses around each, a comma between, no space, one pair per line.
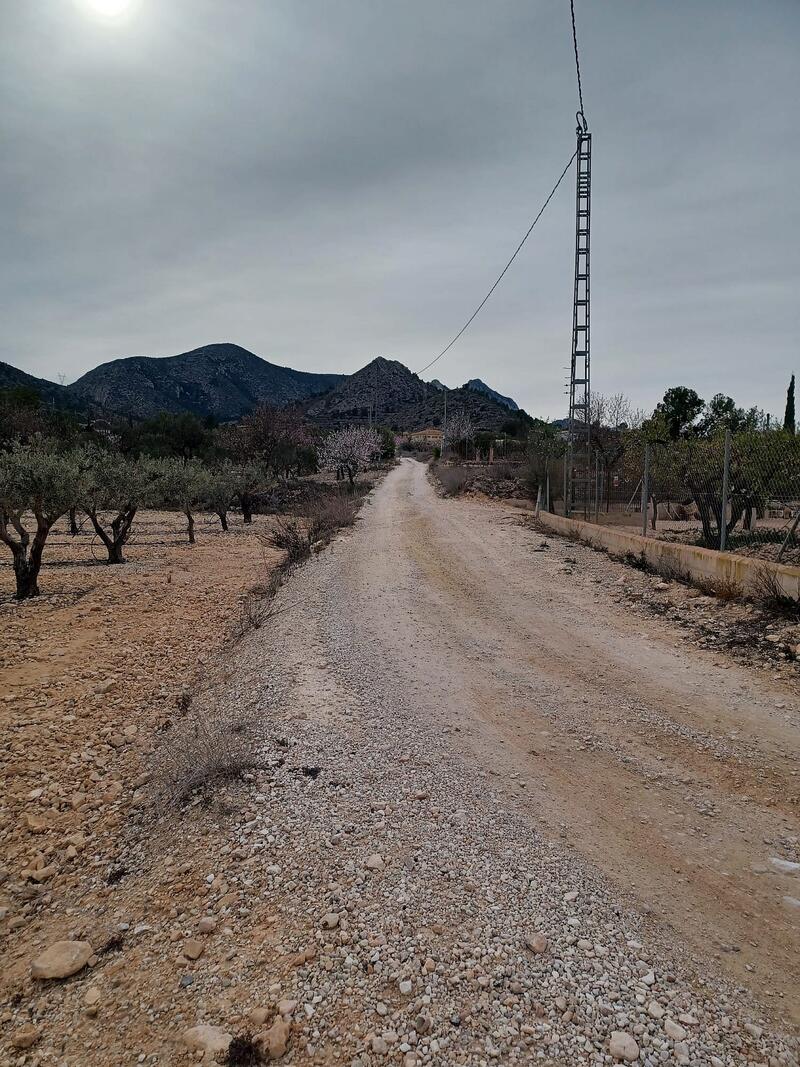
(474,314)
(577,60)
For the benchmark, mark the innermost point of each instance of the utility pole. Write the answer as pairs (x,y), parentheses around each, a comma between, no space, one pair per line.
(579,442)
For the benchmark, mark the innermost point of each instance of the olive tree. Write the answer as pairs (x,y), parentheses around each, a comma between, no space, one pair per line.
(221,487)
(114,490)
(349,451)
(182,485)
(46,484)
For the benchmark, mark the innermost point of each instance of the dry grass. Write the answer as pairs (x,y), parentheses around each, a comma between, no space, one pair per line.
(721,588)
(452,480)
(767,591)
(200,749)
(244,1051)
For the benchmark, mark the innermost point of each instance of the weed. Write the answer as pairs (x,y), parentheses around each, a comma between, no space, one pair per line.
(244,1051)
(721,588)
(452,480)
(200,750)
(766,590)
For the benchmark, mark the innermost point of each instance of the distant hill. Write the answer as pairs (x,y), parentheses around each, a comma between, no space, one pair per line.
(477,386)
(49,393)
(223,380)
(391,395)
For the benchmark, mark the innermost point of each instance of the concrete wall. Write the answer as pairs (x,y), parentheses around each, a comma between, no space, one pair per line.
(663,556)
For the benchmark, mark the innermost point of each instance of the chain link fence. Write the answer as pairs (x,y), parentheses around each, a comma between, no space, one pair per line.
(734,492)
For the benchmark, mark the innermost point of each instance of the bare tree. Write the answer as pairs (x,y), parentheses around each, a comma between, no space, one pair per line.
(349,451)
(45,483)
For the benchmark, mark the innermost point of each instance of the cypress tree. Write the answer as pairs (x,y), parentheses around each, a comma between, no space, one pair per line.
(788,418)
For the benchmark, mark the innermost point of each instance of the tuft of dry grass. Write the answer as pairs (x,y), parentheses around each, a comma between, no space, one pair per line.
(244,1051)
(766,590)
(199,750)
(721,588)
(452,480)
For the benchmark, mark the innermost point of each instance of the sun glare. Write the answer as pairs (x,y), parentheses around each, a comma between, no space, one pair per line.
(108,9)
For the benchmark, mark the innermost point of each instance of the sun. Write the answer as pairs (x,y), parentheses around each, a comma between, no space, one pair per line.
(108,9)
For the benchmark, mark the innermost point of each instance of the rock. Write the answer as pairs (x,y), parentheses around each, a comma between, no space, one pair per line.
(91,1000)
(654,1010)
(623,1046)
(62,959)
(193,949)
(375,862)
(208,1039)
(406,986)
(753,1030)
(330,921)
(276,1039)
(286,1007)
(207,925)
(784,866)
(674,1030)
(258,1016)
(537,943)
(25,1037)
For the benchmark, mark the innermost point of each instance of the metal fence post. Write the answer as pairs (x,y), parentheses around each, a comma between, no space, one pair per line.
(726,471)
(596,487)
(566,505)
(645,487)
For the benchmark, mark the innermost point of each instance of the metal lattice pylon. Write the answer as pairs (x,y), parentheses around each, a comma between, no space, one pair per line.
(579,467)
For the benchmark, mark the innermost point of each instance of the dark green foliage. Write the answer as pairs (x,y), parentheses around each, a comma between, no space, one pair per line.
(788,418)
(679,409)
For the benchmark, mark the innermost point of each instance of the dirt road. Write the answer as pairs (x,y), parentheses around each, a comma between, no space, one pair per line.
(673,771)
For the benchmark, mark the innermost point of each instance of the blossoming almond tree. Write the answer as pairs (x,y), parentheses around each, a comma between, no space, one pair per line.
(349,451)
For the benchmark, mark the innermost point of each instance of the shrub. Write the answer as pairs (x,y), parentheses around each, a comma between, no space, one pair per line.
(767,591)
(327,515)
(453,480)
(290,534)
(202,749)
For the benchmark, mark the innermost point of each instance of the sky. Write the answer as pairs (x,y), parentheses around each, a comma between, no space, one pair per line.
(327,181)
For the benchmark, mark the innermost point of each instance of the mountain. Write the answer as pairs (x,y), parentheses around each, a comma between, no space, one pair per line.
(384,385)
(51,394)
(225,381)
(222,380)
(478,386)
(389,394)
(437,384)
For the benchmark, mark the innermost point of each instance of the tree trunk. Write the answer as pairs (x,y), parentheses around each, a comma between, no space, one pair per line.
(73,523)
(190,525)
(28,564)
(120,527)
(247,507)
(654,517)
(223,519)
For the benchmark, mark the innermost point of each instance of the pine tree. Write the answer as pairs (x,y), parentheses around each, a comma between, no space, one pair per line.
(788,418)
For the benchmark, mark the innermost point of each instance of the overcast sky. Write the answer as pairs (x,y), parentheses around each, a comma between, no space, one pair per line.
(331,180)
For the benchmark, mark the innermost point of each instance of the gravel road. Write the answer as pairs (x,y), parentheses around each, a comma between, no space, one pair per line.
(533,825)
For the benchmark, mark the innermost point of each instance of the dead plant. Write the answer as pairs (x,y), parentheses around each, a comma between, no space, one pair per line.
(766,589)
(201,749)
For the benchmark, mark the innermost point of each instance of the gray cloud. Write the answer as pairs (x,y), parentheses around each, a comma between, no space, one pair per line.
(327,181)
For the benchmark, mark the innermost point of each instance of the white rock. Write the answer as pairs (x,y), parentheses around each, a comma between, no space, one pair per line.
(208,1039)
(623,1046)
(374,862)
(62,959)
